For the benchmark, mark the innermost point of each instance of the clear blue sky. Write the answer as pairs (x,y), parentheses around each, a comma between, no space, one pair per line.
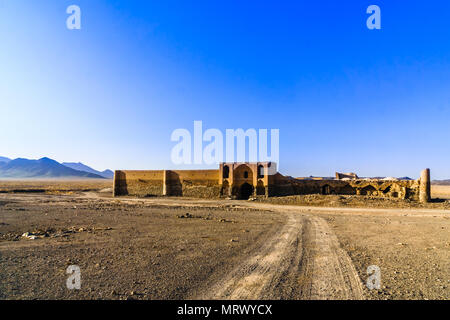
(345,98)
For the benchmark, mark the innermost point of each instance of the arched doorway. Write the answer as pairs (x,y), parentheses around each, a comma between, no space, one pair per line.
(245,191)
(325,190)
(243,181)
(226,172)
(260,171)
(243,173)
(368,190)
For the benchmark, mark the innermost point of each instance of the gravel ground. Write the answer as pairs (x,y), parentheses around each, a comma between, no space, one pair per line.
(178,248)
(124,250)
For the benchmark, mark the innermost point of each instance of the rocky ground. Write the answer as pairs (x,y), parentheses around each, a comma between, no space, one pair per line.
(355,201)
(177,248)
(126,250)
(412,249)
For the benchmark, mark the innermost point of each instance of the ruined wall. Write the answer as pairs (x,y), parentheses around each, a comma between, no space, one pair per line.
(285,186)
(350,175)
(403,189)
(187,183)
(211,184)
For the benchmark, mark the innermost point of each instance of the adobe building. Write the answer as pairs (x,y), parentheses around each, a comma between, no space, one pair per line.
(260,179)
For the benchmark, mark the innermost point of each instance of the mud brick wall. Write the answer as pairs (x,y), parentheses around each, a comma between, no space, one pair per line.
(138,183)
(285,187)
(187,183)
(403,189)
(206,184)
(193,183)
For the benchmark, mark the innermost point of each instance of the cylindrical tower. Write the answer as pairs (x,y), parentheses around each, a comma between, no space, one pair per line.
(425,186)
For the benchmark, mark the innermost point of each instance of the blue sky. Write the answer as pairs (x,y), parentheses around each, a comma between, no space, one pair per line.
(344,98)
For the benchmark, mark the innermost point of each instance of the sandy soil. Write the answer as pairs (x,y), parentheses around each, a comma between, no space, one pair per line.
(411,247)
(442,192)
(55,186)
(178,248)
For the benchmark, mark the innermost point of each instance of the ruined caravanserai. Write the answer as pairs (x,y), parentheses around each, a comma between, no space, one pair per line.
(261,179)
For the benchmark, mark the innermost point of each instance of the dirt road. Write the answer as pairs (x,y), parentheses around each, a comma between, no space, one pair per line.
(302,260)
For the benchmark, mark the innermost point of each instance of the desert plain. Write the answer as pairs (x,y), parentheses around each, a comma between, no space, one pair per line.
(302,247)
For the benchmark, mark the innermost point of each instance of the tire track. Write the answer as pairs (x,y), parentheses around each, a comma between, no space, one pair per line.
(253,278)
(302,261)
(328,269)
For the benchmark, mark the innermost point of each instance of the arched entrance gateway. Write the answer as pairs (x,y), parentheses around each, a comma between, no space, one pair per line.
(243,182)
(245,191)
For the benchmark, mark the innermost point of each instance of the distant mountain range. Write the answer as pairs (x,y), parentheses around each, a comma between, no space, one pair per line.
(4,159)
(441,182)
(108,174)
(47,168)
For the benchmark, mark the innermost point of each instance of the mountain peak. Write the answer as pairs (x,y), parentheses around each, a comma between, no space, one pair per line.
(42,168)
(108,174)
